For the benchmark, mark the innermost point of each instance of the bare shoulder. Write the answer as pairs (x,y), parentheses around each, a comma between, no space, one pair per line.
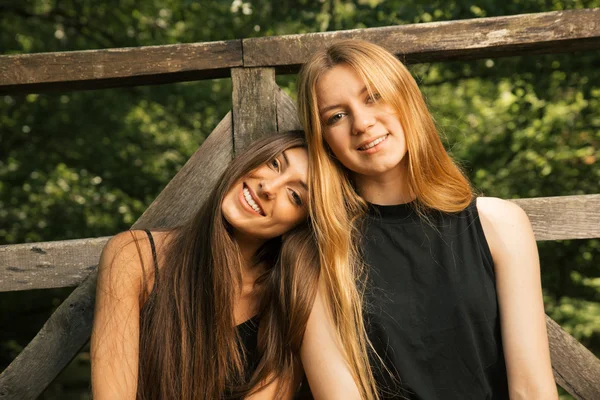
(506,227)
(500,213)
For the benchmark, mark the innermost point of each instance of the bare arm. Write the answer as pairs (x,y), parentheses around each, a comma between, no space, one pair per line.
(524,337)
(326,369)
(115,335)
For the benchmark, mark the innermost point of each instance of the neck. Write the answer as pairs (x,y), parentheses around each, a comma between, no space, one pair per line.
(387,188)
(248,248)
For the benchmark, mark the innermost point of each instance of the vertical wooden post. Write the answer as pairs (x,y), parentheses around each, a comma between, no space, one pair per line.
(287,114)
(254,105)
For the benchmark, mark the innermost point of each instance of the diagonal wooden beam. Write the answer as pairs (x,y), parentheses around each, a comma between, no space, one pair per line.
(191,186)
(575,368)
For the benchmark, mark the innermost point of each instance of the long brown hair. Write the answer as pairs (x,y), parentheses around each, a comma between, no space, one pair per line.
(189,346)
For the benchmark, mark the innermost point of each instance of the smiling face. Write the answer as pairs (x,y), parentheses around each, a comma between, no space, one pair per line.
(363,132)
(271,199)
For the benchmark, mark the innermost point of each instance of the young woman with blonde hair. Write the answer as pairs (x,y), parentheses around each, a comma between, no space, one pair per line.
(453,300)
(227,305)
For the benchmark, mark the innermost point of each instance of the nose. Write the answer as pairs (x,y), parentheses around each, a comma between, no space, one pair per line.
(363,121)
(268,188)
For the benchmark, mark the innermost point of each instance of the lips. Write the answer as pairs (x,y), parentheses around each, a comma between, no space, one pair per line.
(368,144)
(251,199)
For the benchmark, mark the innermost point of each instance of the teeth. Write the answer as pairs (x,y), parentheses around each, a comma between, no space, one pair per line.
(251,201)
(373,143)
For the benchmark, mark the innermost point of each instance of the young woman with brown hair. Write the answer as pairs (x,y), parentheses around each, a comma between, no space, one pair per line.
(227,304)
(453,297)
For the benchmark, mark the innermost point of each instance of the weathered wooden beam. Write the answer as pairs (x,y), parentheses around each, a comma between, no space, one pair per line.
(48,265)
(66,263)
(97,69)
(188,190)
(563,217)
(575,368)
(53,348)
(287,116)
(254,105)
(550,32)
(69,328)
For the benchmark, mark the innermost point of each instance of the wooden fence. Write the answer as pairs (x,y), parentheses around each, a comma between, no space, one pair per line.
(259,105)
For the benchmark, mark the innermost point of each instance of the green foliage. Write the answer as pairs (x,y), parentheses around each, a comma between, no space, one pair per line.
(84,164)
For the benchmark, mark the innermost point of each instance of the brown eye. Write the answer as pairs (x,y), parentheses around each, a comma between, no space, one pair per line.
(296,198)
(274,163)
(335,118)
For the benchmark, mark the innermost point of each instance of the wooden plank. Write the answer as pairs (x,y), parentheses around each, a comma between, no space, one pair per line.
(66,263)
(575,368)
(563,217)
(48,265)
(287,114)
(95,69)
(254,105)
(549,32)
(69,328)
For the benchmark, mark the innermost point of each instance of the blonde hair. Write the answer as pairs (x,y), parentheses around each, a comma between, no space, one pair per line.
(336,208)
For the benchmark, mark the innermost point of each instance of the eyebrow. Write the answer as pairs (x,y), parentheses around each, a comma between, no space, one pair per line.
(331,107)
(287,163)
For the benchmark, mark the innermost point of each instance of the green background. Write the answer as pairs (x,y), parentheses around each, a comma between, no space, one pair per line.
(87,164)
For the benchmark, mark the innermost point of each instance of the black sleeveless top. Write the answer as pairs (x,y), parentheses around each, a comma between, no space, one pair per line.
(432,312)
(247,331)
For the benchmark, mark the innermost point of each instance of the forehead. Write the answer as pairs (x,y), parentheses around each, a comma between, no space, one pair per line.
(338,82)
(297,158)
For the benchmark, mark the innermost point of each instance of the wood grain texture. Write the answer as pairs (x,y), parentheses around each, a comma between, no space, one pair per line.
(563,217)
(550,32)
(69,328)
(287,115)
(191,186)
(95,69)
(48,265)
(254,105)
(55,345)
(575,368)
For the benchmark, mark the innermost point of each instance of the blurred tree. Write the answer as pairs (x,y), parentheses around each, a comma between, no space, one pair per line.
(84,164)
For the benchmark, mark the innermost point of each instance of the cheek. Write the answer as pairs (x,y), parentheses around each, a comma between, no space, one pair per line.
(392,121)
(226,205)
(335,141)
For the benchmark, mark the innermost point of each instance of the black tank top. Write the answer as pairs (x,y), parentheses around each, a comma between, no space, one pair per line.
(247,331)
(432,312)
